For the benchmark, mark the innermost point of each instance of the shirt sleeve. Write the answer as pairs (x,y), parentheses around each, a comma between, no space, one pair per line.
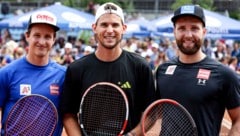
(4,78)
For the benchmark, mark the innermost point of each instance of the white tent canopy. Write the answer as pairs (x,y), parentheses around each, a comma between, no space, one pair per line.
(218,26)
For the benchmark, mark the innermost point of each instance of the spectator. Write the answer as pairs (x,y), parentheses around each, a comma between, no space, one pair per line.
(233,63)
(91,7)
(88,50)
(19,52)
(68,57)
(207,47)
(7,36)
(7,56)
(220,50)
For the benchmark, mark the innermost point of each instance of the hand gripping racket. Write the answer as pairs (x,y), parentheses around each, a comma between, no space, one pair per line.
(103,110)
(166,117)
(32,115)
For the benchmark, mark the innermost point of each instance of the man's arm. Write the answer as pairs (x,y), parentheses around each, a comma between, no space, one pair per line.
(235,117)
(71,125)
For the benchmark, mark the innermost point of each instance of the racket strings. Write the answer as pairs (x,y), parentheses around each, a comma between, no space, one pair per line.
(32,116)
(104,111)
(168,120)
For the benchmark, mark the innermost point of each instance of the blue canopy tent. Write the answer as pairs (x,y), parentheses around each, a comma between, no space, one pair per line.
(138,28)
(218,26)
(68,18)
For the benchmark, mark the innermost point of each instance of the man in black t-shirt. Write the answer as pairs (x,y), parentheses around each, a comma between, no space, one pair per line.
(202,85)
(109,63)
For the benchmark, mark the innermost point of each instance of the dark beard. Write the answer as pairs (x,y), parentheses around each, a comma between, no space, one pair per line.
(189,51)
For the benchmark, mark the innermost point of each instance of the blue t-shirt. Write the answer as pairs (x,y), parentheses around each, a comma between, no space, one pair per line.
(20,78)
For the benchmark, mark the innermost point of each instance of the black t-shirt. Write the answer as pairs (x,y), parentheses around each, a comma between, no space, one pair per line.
(205,89)
(129,68)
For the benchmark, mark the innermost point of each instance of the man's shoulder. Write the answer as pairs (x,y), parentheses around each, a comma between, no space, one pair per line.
(83,61)
(14,64)
(57,66)
(133,55)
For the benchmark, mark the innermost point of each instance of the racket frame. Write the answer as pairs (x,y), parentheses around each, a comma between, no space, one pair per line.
(105,84)
(170,101)
(22,100)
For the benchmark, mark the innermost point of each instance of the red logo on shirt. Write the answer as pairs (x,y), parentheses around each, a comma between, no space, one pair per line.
(54,89)
(203,74)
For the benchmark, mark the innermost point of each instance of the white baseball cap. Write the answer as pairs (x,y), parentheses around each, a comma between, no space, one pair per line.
(44,17)
(88,49)
(111,8)
(155,45)
(68,45)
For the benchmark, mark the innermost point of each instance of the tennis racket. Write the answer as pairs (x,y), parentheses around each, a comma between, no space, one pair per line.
(32,115)
(166,117)
(103,110)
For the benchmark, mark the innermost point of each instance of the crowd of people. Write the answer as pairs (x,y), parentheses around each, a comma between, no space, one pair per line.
(68,49)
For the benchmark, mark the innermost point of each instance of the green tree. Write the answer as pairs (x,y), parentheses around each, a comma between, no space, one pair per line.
(179,3)
(69,3)
(235,14)
(127,5)
(84,3)
(206,4)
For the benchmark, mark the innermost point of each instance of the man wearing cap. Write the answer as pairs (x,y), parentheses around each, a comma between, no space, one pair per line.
(109,63)
(202,85)
(34,73)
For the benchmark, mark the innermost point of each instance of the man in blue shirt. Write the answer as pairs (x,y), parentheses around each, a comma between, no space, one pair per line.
(34,73)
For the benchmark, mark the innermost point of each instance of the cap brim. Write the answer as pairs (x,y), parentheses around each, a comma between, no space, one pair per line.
(174,18)
(54,27)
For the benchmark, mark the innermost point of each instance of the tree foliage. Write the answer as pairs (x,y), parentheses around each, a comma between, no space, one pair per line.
(84,3)
(179,3)
(207,4)
(69,3)
(127,5)
(235,14)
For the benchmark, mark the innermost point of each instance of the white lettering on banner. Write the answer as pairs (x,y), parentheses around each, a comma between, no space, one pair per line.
(217,30)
